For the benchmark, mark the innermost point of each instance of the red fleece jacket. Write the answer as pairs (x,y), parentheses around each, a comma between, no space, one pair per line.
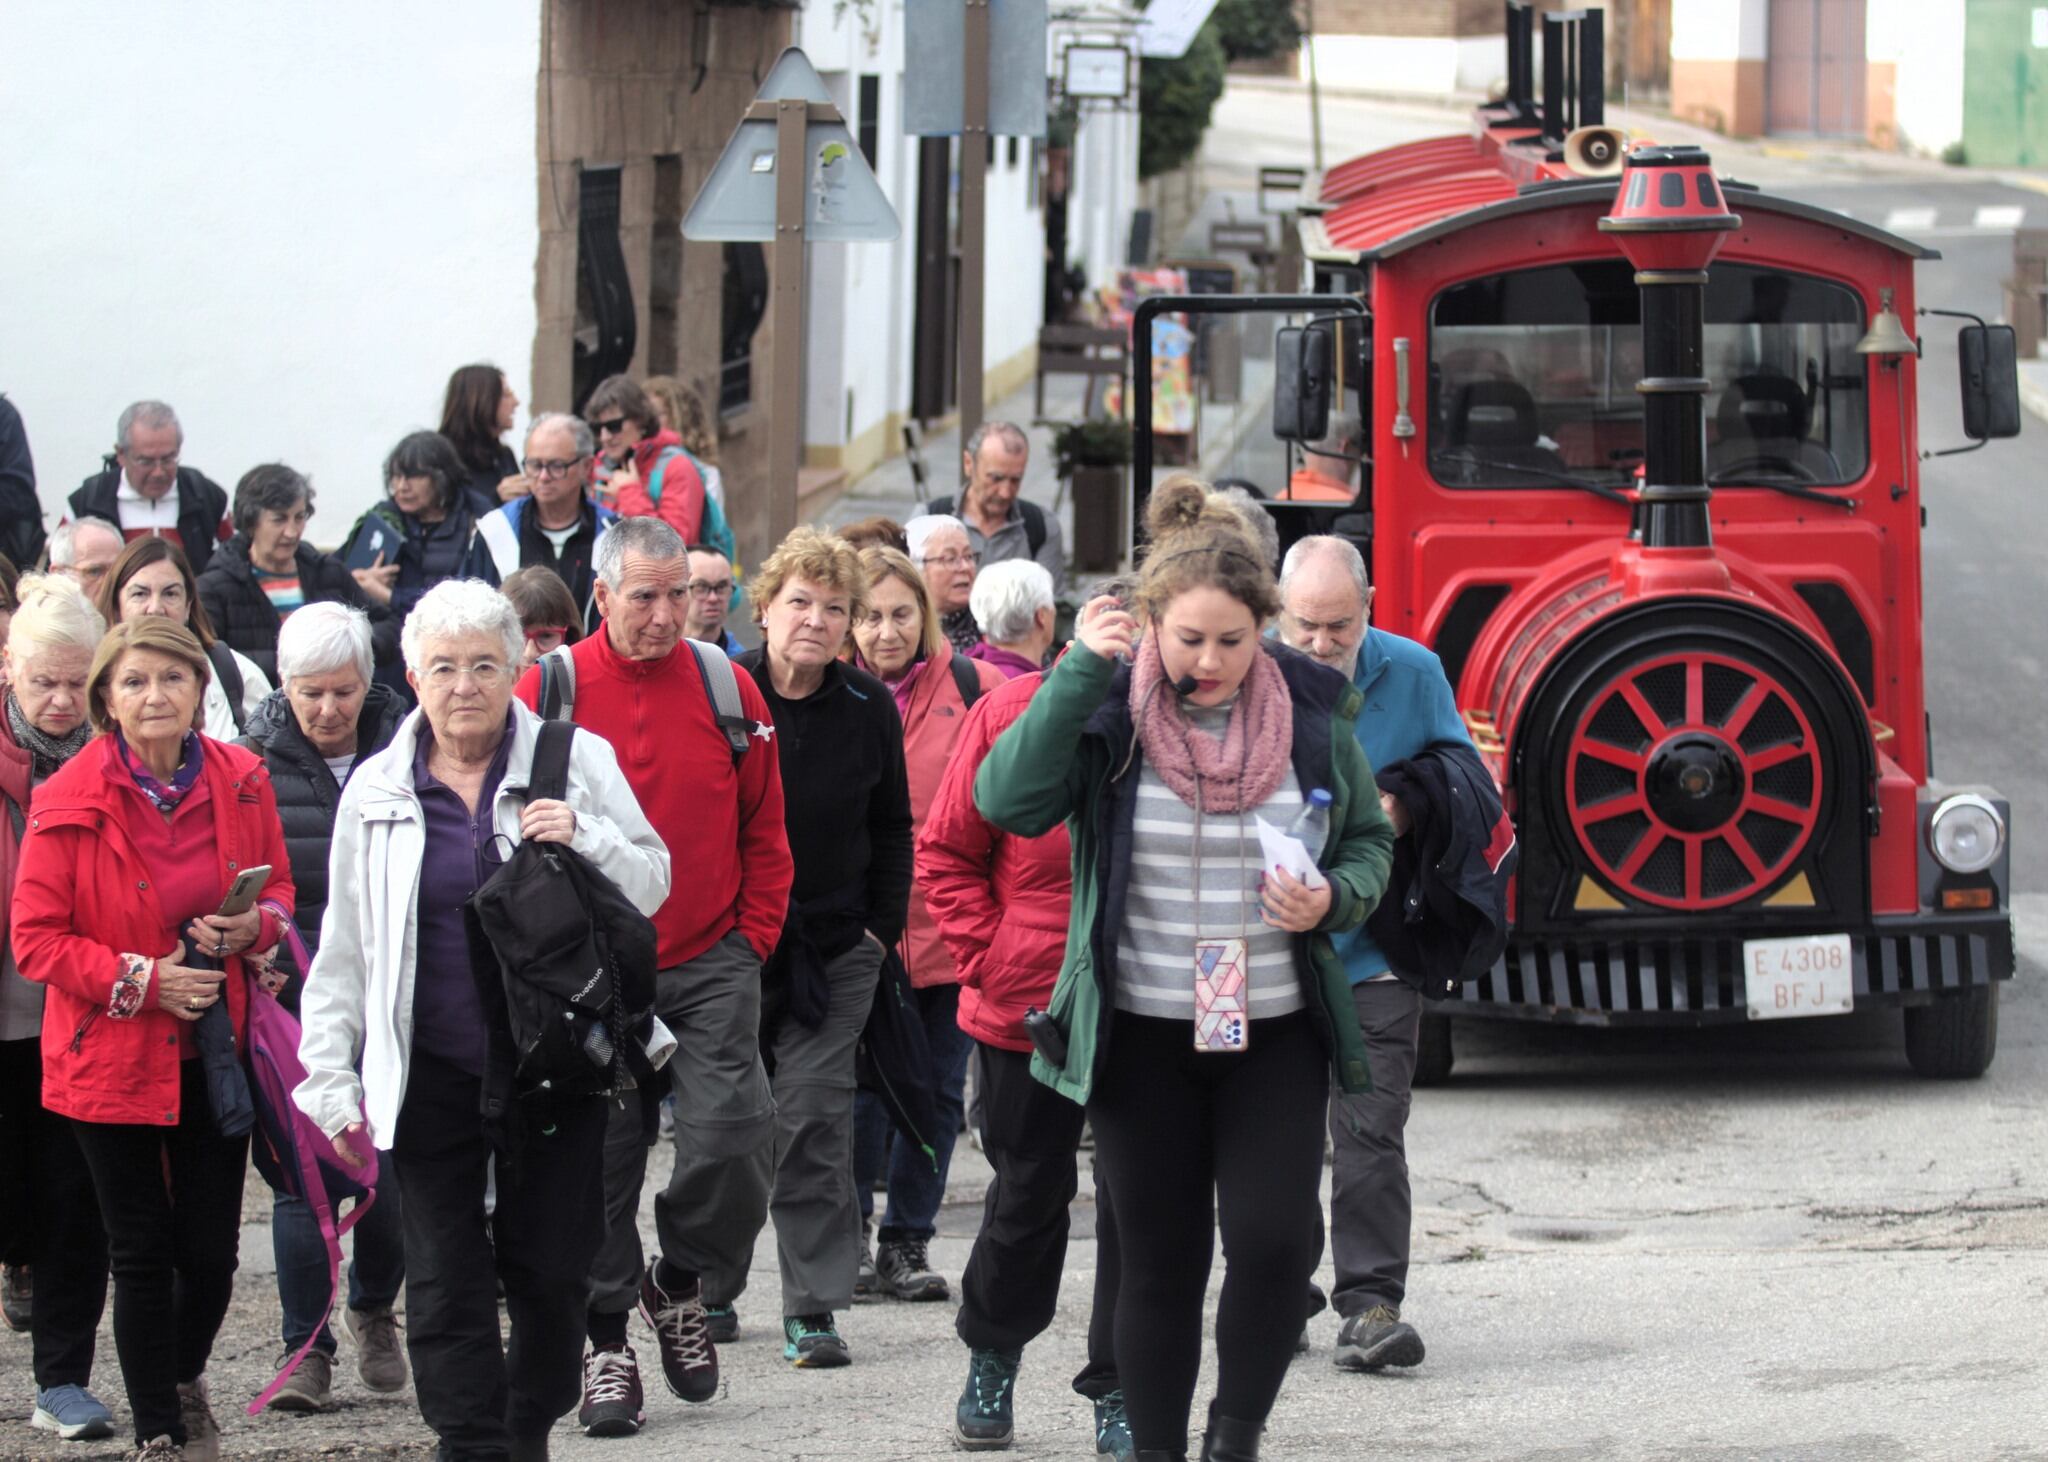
(723,826)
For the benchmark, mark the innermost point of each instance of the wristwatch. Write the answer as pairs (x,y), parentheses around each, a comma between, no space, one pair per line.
(131,987)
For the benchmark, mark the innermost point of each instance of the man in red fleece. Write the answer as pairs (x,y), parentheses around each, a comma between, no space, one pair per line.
(639,687)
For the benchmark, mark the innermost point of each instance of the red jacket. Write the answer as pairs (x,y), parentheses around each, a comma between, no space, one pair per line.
(723,826)
(1000,901)
(682,487)
(83,898)
(932,722)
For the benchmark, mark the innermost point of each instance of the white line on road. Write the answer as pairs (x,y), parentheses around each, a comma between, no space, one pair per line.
(1900,219)
(1995,216)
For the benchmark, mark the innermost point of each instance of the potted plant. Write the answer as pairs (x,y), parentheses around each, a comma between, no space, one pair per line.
(1090,456)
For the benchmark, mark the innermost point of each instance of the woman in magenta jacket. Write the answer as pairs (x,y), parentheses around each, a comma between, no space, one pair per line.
(131,848)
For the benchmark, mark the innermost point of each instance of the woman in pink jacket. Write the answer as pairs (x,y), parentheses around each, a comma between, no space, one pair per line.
(899,640)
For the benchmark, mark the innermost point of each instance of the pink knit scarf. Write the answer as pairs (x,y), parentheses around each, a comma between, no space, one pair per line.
(1236,774)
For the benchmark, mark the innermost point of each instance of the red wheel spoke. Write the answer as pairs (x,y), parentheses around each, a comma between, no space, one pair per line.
(1613,755)
(1732,836)
(1647,844)
(1692,868)
(1603,811)
(1777,755)
(1738,718)
(1695,693)
(1651,722)
(1773,807)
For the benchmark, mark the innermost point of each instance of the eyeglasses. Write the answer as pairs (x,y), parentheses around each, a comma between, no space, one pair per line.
(537,468)
(954,560)
(699,589)
(613,425)
(485,675)
(547,632)
(151,464)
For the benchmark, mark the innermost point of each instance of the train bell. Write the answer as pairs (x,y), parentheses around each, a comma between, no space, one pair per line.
(1886,336)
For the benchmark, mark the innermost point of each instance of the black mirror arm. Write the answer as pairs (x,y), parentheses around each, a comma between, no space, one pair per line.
(1975,442)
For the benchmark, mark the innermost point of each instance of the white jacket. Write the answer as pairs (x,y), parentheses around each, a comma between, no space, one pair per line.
(357,1005)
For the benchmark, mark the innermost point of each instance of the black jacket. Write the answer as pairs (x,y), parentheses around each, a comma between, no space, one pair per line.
(1444,920)
(480,488)
(243,616)
(202,503)
(307,794)
(21,513)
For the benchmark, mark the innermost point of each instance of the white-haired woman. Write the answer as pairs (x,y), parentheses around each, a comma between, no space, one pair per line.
(944,554)
(50,1235)
(397,1035)
(327,719)
(1013,607)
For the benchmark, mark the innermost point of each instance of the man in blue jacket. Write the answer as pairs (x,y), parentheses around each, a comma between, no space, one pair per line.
(1409,707)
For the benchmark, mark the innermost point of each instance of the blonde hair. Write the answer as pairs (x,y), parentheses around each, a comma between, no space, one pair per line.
(1200,542)
(145,632)
(683,409)
(52,614)
(825,559)
(886,563)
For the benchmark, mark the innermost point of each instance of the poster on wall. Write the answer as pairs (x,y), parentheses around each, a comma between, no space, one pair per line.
(1173,377)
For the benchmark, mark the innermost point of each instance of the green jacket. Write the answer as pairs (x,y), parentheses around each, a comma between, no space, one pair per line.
(1073,757)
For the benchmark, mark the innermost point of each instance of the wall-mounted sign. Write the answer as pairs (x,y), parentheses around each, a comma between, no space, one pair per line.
(1095,70)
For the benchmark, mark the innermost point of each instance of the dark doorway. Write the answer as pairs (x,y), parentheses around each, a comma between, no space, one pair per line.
(606,331)
(934,340)
(1815,74)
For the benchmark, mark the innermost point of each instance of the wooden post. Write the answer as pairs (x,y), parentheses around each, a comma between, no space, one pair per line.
(786,390)
(973,212)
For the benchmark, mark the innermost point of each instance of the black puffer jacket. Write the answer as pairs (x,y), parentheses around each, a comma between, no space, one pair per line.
(202,503)
(307,794)
(243,616)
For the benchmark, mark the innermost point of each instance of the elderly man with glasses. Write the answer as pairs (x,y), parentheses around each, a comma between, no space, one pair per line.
(557,525)
(711,599)
(83,549)
(143,489)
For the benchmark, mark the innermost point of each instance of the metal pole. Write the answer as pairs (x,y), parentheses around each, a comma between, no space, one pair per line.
(1315,95)
(973,212)
(785,393)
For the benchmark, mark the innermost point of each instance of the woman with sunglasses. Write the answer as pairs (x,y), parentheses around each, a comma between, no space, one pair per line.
(646,473)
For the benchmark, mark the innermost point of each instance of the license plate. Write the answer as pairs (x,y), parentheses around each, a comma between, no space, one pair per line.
(1814,974)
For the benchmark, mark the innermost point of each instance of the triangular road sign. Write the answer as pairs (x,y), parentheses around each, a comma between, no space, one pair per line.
(842,201)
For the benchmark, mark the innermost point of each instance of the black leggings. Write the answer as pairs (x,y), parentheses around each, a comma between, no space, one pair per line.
(1185,1140)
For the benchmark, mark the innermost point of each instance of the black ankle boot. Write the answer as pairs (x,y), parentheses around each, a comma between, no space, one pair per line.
(1159,1456)
(1230,1440)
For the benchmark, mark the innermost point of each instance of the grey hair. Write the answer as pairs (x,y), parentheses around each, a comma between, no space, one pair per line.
(1319,544)
(648,537)
(1257,519)
(460,607)
(145,413)
(920,531)
(323,638)
(64,539)
(1011,433)
(1341,437)
(1007,597)
(586,444)
(54,615)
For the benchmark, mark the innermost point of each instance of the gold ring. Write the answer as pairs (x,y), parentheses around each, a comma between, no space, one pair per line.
(195,1002)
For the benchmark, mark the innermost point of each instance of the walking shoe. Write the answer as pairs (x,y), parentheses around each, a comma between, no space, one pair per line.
(866,1283)
(982,1422)
(160,1449)
(689,1362)
(73,1413)
(1228,1439)
(810,1343)
(723,1324)
(380,1359)
(1377,1338)
(612,1400)
(904,1271)
(17,1295)
(310,1388)
(202,1432)
(1113,1427)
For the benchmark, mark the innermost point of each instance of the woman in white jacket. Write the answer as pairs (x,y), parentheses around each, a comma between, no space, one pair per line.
(393,996)
(152,577)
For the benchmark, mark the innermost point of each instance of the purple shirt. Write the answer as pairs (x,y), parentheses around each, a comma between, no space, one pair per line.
(447,1014)
(1012,664)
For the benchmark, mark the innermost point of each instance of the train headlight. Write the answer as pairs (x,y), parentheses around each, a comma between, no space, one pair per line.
(1966,833)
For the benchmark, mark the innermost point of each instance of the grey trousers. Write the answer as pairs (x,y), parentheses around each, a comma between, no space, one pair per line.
(1370,1206)
(717,1194)
(814,1204)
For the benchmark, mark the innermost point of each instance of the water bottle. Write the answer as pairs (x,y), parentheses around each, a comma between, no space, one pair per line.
(1311,825)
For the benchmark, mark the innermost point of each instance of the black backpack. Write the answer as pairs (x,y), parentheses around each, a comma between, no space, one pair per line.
(1032,513)
(575,957)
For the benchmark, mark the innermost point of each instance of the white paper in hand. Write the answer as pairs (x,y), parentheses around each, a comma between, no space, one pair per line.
(1278,850)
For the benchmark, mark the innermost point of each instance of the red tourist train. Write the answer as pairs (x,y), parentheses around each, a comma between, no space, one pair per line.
(1637,455)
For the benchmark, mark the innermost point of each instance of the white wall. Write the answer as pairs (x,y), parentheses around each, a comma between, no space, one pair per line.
(291,222)
(1103,193)
(1720,30)
(1398,65)
(1924,38)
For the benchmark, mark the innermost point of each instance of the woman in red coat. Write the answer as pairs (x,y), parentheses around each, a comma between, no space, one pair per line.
(131,848)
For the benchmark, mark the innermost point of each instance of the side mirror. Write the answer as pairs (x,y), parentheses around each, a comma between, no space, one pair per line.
(1989,364)
(1301,383)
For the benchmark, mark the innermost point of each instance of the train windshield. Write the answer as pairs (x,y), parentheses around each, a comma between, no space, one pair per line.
(1532,378)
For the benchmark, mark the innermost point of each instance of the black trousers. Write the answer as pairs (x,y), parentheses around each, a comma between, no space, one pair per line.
(171,1200)
(1030,1134)
(1189,1140)
(477,1390)
(51,1222)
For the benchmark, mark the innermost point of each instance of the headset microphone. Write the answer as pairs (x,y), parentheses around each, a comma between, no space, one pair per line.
(1185,686)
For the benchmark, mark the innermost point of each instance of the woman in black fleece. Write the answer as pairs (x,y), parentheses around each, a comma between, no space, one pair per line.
(847,801)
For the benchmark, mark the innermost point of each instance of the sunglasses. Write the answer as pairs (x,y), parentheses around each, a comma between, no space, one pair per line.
(611,427)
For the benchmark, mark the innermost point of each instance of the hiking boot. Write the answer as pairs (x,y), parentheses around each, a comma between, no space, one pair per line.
(722,1322)
(73,1413)
(1377,1338)
(160,1449)
(810,1343)
(982,1422)
(380,1359)
(202,1432)
(612,1400)
(1113,1427)
(867,1284)
(689,1362)
(310,1387)
(902,1270)
(17,1295)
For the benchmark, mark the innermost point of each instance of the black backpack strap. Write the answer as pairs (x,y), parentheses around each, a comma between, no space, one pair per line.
(229,674)
(940,507)
(549,777)
(1034,525)
(722,689)
(966,680)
